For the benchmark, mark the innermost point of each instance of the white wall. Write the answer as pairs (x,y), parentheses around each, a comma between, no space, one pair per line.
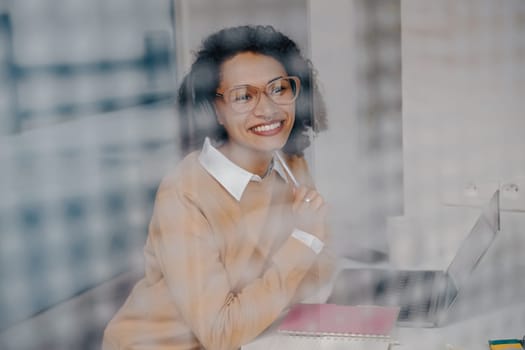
(463,119)
(463,89)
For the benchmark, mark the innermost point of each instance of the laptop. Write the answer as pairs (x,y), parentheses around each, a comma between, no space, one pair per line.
(424,296)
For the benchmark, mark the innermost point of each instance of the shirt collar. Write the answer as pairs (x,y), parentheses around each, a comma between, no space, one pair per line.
(231,176)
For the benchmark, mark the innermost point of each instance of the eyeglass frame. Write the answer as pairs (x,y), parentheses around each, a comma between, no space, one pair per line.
(296,79)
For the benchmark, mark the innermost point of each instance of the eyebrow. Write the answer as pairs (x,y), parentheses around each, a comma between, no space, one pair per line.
(274,79)
(269,81)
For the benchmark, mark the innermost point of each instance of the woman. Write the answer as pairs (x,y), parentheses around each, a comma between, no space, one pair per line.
(235,239)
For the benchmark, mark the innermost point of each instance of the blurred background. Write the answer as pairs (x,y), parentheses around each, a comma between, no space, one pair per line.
(87,129)
(425,106)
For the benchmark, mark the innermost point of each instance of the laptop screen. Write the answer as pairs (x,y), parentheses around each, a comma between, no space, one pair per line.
(476,244)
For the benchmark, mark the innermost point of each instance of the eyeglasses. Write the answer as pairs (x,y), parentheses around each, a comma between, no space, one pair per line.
(244,98)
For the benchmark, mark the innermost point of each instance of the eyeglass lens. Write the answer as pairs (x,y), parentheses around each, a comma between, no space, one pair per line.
(280,91)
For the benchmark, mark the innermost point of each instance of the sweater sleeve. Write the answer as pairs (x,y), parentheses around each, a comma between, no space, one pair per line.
(220,317)
(319,276)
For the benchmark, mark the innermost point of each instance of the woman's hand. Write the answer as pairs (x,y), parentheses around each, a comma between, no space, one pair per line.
(309,209)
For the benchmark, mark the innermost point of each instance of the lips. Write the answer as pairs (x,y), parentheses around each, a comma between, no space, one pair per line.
(268,129)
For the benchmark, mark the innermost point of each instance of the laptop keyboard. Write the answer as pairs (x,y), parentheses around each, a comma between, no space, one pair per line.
(411,290)
(417,293)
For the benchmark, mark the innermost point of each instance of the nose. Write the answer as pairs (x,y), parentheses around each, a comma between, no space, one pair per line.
(265,107)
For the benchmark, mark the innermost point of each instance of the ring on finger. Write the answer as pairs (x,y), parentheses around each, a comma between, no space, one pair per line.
(307,200)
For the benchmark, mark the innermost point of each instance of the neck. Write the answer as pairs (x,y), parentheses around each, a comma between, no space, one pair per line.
(250,160)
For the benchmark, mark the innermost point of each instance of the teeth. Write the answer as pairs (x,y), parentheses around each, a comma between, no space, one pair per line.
(269,127)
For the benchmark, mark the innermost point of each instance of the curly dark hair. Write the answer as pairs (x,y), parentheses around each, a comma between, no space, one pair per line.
(197,91)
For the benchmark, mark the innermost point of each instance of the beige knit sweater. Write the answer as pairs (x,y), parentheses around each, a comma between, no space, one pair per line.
(218,270)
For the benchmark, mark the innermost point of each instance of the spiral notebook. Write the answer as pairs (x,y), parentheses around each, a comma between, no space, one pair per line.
(339,320)
(333,327)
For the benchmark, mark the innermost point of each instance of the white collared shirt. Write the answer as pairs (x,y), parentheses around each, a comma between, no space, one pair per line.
(235,180)
(231,176)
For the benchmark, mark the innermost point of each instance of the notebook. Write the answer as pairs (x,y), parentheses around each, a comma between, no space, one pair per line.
(424,296)
(339,320)
(332,327)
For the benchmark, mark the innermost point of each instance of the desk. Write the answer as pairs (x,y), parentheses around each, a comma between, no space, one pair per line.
(469,334)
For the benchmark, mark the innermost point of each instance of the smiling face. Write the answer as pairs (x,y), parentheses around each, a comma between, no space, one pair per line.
(259,132)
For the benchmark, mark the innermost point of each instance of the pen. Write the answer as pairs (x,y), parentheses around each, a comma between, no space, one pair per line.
(286,168)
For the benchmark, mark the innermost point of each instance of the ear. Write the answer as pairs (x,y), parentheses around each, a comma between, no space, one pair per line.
(220,118)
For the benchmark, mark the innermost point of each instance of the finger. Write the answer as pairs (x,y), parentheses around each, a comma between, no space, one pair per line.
(310,195)
(306,203)
(317,203)
(311,209)
(313,205)
(323,209)
(299,196)
(304,193)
